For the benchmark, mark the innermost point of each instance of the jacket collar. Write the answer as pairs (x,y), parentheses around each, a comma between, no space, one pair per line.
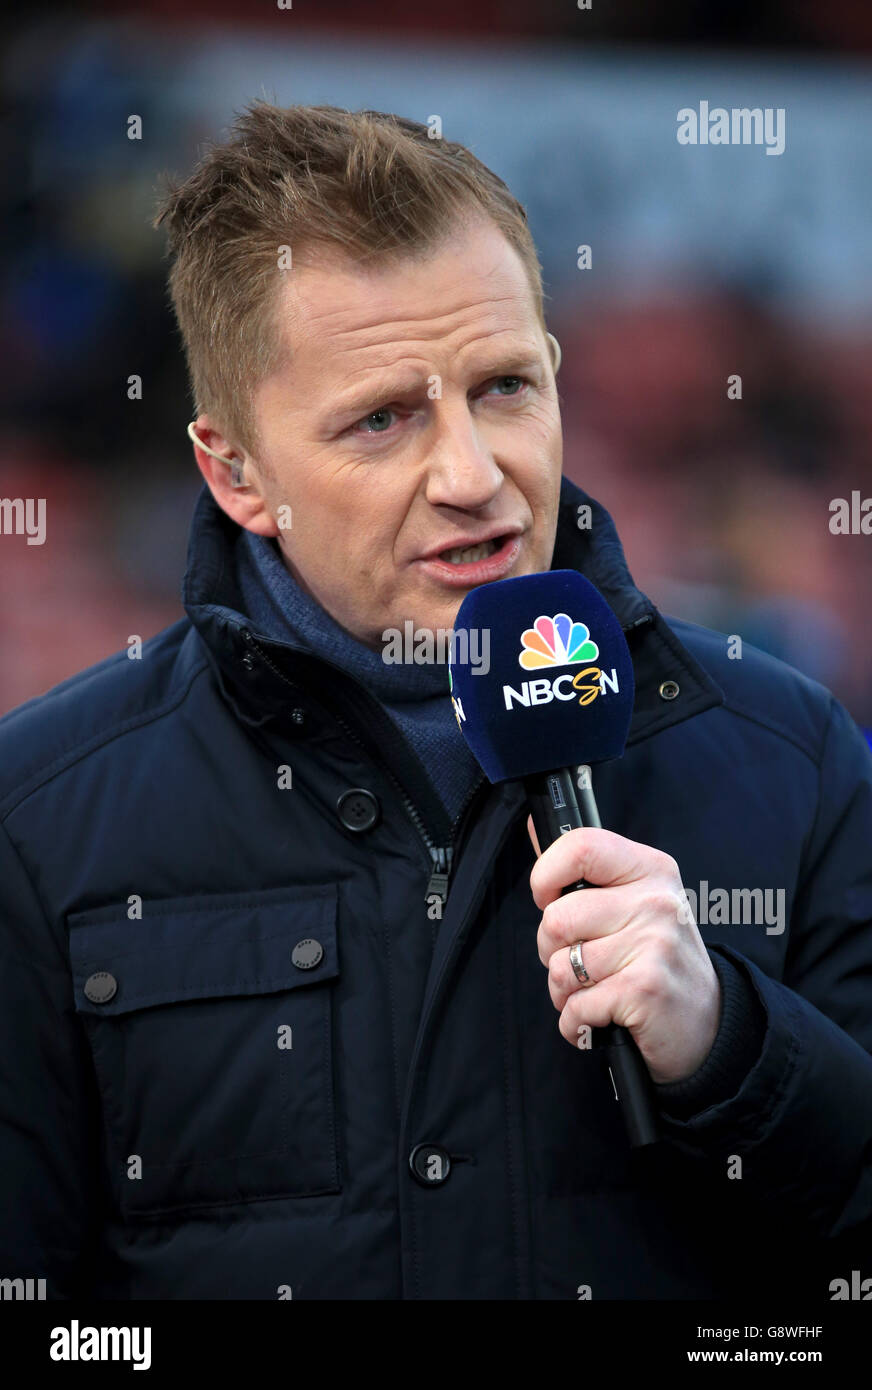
(259,676)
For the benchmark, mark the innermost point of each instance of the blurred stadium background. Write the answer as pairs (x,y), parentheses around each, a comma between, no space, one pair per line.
(706,261)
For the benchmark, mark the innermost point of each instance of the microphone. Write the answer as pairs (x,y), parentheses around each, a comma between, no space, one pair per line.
(557,694)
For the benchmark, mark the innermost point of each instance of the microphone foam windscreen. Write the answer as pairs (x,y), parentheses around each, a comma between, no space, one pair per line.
(540,675)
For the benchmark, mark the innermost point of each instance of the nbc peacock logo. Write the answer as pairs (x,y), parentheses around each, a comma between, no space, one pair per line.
(556,641)
(559,641)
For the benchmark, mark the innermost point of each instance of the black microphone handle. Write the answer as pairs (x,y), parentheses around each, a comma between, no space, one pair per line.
(555,809)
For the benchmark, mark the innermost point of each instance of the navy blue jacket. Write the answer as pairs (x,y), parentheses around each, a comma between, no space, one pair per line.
(230,1013)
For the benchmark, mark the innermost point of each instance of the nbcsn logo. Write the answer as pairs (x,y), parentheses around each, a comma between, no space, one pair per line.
(559,641)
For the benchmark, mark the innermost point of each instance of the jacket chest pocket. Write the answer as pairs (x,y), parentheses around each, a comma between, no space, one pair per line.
(210,1023)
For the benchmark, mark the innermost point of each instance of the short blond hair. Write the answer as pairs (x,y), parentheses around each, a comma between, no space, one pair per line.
(373,186)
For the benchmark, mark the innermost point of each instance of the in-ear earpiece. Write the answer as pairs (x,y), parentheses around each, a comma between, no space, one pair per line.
(237,472)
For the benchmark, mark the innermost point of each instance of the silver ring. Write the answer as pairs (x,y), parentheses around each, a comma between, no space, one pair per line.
(577,964)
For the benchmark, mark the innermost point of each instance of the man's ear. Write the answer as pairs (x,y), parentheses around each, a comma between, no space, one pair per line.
(229,473)
(556,353)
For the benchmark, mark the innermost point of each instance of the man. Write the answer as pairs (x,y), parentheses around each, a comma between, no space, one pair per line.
(275,1017)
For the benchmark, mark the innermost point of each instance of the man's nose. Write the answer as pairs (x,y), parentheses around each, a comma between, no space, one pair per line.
(461,468)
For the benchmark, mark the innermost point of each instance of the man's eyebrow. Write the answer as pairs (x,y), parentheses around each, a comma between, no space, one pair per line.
(369,398)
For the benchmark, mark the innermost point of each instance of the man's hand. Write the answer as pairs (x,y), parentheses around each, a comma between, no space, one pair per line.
(640,944)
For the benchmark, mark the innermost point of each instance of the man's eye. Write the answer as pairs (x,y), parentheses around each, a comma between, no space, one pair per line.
(378,419)
(514,382)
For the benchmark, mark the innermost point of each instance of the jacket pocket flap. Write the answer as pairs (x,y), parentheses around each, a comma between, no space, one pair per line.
(203,947)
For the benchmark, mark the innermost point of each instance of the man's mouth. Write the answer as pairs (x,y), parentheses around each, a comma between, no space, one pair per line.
(472,552)
(475,564)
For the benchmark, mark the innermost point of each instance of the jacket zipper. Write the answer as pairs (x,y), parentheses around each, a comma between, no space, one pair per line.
(441,856)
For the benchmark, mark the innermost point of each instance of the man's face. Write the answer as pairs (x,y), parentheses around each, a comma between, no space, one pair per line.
(417,413)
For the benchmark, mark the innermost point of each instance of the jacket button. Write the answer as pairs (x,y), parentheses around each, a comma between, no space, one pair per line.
(668,690)
(307,954)
(430,1164)
(100,987)
(358,809)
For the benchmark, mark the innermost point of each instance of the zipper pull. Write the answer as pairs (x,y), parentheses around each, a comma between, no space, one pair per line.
(438,884)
